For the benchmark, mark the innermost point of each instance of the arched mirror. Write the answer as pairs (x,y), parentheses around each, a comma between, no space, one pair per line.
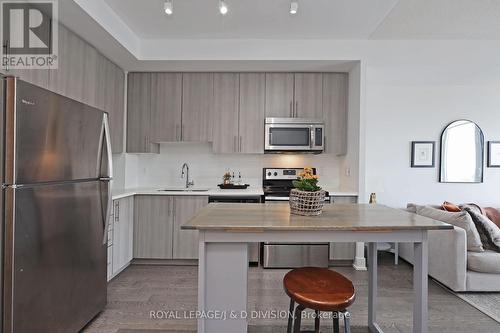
(462,153)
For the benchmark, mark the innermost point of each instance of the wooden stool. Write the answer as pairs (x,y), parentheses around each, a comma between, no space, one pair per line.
(319,289)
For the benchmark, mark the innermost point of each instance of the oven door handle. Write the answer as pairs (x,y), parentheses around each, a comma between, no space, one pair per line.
(311,132)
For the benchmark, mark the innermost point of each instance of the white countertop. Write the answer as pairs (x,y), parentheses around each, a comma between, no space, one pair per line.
(250,191)
(122,193)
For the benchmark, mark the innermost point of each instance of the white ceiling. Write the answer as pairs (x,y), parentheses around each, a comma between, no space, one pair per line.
(317,19)
(253,19)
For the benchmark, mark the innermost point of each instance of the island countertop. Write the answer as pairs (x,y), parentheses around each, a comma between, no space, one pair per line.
(337,217)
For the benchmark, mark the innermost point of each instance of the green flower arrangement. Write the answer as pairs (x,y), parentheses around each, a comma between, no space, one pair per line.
(307,181)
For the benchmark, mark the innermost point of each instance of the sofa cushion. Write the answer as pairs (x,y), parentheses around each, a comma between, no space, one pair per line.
(460,219)
(488,231)
(484,262)
(493,214)
(450,207)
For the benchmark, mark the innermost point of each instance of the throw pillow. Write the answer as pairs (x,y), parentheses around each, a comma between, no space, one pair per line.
(488,231)
(459,219)
(493,214)
(450,207)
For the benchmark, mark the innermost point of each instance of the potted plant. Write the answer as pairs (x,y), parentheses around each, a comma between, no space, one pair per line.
(307,198)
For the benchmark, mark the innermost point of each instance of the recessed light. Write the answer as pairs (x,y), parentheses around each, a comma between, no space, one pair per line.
(223,7)
(294,7)
(169,7)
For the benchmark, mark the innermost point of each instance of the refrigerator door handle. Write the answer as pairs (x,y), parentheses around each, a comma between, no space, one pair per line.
(109,176)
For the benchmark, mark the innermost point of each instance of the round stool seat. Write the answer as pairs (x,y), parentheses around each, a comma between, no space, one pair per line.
(319,289)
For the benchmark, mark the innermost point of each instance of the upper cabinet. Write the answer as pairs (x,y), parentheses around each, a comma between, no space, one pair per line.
(166,102)
(197,103)
(252,112)
(335,92)
(139,114)
(294,95)
(229,109)
(225,113)
(308,95)
(279,95)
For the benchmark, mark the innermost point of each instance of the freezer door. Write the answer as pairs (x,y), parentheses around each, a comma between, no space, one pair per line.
(50,138)
(55,261)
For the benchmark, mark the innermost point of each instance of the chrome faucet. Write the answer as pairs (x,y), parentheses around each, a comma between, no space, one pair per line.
(188,183)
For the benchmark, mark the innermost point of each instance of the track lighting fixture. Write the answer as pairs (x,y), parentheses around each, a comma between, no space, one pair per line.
(223,7)
(294,7)
(169,7)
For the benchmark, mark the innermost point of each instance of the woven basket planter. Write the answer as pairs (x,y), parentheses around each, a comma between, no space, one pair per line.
(306,203)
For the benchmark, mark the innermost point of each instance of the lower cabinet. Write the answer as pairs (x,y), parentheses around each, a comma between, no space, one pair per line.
(120,235)
(157,226)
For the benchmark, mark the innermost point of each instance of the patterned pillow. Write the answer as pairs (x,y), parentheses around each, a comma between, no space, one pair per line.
(488,231)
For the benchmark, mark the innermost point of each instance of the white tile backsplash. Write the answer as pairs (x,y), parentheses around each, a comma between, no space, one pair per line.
(207,168)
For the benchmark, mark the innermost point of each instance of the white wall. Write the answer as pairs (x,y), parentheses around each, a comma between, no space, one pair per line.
(399,114)
(207,168)
(409,90)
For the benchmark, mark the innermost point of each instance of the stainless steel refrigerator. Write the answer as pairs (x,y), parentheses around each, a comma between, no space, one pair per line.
(56,187)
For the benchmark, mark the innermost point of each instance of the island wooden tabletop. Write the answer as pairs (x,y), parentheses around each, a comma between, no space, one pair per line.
(247,217)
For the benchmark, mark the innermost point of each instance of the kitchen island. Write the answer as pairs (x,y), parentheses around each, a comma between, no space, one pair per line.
(226,229)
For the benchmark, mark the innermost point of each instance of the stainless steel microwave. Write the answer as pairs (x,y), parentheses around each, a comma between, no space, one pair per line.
(294,135)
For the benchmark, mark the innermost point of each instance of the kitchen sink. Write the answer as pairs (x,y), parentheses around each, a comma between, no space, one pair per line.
(184,190)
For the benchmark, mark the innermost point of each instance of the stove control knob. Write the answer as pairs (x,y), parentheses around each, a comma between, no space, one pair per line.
(269,173)
(275,173)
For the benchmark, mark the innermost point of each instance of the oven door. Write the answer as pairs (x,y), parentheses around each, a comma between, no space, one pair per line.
(288,137)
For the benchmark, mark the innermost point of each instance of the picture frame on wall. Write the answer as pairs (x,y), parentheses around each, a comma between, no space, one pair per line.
(423,154)
(494,154)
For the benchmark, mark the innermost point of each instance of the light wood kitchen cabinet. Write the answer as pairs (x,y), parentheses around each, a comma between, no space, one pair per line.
(308,95)
(197,103)
(252,112)
(185,242)
(90,62)
(335,90)
(116,109)
(166,99)
(153,225)
(139,114)
(279,95)
(226,138)
(67,79)
(123,232)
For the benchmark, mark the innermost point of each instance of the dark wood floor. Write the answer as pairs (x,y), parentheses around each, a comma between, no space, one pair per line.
(141,289)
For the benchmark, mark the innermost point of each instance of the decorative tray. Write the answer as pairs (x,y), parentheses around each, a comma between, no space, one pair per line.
(233,186)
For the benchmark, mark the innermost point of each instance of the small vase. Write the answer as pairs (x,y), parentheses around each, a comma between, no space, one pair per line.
(306,203)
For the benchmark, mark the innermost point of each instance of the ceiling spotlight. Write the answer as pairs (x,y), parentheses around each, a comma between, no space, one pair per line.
(294,7)
(169,7)
(223,7)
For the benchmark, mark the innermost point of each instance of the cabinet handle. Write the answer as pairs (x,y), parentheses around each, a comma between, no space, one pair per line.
(241,139)
(117,211)
(234,143)
(296,109)
(291,109)
(177,132)
(182,132)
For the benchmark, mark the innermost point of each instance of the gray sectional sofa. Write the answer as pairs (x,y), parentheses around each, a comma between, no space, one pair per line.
(452,265)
